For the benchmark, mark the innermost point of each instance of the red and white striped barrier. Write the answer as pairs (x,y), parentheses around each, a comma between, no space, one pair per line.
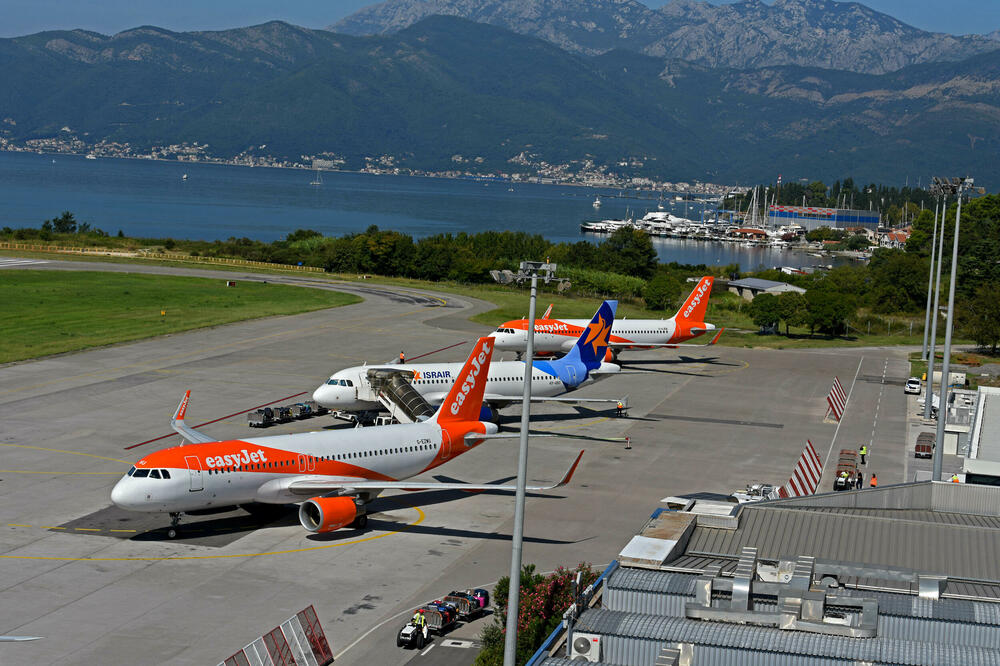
(806,475)
(837,399)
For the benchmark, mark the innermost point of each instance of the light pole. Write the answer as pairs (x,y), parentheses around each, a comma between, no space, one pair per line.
(929,392)
(930,275)
(959,186)
(528,270)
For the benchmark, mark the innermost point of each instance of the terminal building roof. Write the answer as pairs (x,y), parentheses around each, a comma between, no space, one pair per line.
(904,574)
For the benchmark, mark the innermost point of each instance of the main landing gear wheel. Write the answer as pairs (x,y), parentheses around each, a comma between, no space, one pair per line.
(175,519)
(361,522)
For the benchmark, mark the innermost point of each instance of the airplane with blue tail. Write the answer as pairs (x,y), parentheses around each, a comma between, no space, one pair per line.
(350,390)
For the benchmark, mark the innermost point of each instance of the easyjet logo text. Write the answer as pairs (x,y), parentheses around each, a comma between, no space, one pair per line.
(696,299)
(470,379)
(236,459)
(548,328)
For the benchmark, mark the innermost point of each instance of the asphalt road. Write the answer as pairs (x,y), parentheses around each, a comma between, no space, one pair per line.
(73,570)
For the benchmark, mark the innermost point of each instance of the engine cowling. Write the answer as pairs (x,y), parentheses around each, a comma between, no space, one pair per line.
(326,514)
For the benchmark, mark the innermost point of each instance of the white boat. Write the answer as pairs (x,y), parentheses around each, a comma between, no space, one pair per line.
(318,178)
(91,156)
(597,202)
(184,177)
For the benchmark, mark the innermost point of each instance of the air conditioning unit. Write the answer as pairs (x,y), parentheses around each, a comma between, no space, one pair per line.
(585,647)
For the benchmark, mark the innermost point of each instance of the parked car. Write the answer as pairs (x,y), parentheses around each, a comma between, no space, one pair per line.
(912,385)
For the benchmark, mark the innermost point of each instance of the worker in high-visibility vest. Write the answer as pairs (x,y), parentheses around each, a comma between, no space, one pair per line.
(402,358)
(621,408)
(874,482)
(954,478)
(864,452)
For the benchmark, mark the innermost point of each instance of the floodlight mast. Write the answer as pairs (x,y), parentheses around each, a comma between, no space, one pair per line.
(528,270)
(959,186)
(942,191)
(930,272)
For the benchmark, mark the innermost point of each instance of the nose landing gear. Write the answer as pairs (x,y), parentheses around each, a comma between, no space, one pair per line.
(175,520)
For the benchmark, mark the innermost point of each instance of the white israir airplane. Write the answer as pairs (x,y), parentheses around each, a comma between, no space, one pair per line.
(341,471)
(557,335)
(358,388)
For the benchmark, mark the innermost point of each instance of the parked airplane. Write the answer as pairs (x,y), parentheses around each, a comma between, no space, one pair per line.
(555,335)
(341,470)
(360,388)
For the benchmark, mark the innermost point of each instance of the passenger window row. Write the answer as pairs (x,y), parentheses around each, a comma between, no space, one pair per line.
(285,463)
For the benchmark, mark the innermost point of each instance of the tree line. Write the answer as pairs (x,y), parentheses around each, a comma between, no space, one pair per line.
(625,266)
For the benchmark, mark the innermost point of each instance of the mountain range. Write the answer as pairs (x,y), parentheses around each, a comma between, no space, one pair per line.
(747,34)
(450,93)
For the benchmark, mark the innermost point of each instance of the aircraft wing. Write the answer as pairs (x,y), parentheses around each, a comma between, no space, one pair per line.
(314,485)
(182,428)
(668,345)
(493,397)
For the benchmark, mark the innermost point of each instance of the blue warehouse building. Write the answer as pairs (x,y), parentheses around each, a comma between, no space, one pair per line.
(812,217)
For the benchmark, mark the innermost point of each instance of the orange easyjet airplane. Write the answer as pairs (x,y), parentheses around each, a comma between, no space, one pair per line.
(341,471)
(558,335)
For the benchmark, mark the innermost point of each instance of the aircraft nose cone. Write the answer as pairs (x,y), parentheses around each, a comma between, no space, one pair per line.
(320,395)
(120,495)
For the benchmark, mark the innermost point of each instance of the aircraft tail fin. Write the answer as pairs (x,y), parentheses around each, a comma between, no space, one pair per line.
(696,304)
(806,475)
(465,399)
(592,345)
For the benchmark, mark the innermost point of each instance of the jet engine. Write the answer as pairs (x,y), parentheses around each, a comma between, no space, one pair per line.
(326,514)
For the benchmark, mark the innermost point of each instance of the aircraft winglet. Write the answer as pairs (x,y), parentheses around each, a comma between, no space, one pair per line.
(717,336)
(570,472)
(182,428)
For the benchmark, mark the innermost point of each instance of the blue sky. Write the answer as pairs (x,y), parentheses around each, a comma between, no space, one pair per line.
(22,17)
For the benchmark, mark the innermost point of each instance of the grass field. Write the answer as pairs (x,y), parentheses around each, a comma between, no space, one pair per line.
(48,312)
(727,310)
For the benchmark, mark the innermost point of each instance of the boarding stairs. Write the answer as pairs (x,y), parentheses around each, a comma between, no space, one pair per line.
(394,391)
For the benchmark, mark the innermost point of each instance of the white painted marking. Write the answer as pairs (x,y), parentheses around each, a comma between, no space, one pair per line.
(451,642)
(428,649)
(20,262)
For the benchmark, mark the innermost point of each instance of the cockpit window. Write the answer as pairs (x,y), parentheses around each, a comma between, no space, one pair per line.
(154,473)
(131,471)
(501,330)
(140,474)
(350,383)
(332,381)
(165,473)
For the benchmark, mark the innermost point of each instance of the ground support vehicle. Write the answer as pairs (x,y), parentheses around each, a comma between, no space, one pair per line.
(847,470)
(282,414)
(925,445)
(412,636)
(440,618)
(300,410)
(260,418)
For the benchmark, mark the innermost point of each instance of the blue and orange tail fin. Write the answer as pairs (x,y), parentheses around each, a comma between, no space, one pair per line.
(696,304)
(592,344)
(465,399)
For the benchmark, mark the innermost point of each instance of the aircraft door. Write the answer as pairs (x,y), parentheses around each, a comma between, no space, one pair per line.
(445,444)
(571,373)
(194,473)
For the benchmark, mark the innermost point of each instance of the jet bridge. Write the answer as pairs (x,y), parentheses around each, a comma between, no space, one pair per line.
(394,390)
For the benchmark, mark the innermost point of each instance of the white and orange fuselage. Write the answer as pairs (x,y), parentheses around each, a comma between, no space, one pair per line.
(261,469)
(556,335)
